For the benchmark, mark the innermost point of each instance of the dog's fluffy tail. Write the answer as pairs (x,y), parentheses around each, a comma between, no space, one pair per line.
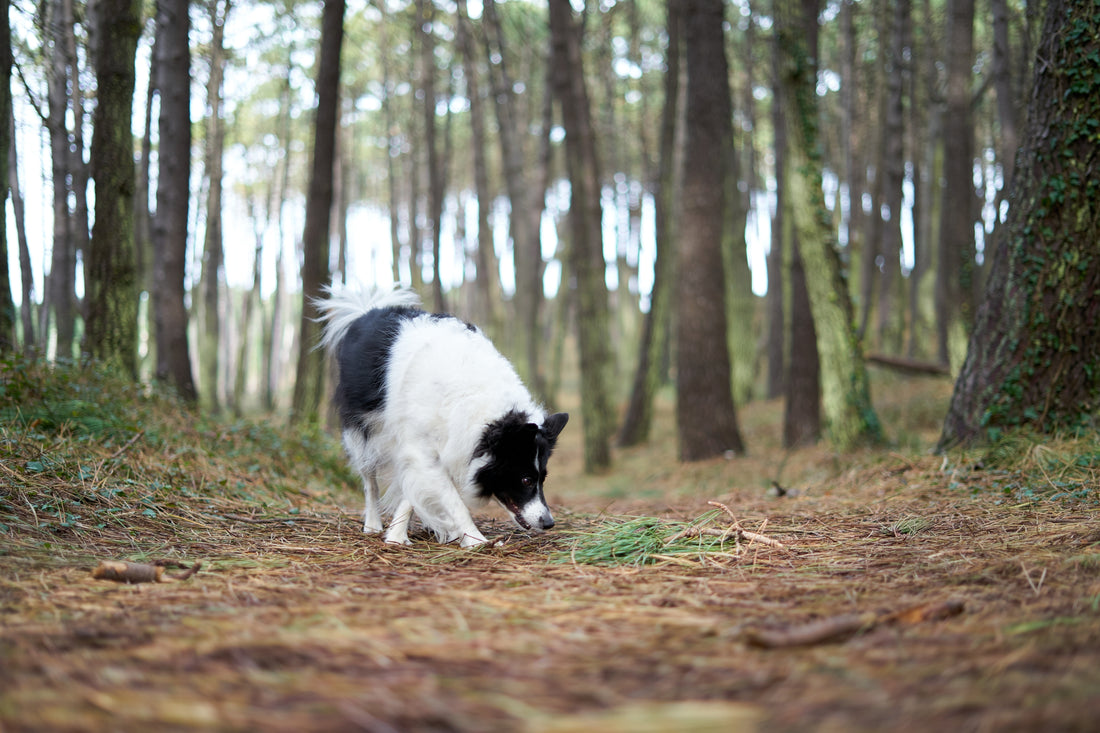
(343,306)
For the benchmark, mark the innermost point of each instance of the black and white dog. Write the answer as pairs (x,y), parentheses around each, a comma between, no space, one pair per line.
(433,414)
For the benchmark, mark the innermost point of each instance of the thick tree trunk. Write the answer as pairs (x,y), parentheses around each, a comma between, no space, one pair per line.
(586,260)
(846,400)
(310,378)
(173,197)
(705,416)
(110,273)
(1034,350)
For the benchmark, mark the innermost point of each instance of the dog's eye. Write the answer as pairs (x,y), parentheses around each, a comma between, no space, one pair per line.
(527,482)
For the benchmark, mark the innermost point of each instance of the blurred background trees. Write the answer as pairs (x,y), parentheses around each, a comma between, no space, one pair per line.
(537,169)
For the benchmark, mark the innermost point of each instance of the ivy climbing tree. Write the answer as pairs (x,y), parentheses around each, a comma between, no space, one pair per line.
(1034,356)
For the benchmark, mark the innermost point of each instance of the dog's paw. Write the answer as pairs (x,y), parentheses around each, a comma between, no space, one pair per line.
(473,540)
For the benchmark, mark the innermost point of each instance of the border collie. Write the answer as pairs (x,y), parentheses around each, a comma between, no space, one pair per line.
(434,416)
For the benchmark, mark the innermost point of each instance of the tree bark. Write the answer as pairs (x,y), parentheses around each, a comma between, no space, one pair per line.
(110,273)
(173,197)
(586,260)
(705,416)
(846,400)
(802,408)
(1032,356)
(310,378)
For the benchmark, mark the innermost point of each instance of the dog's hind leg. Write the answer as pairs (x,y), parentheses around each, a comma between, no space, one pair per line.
(398,532)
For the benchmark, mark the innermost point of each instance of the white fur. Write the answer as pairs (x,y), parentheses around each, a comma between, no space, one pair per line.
(444,384)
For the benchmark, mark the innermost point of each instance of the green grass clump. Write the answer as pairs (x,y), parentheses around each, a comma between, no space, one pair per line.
(637,541)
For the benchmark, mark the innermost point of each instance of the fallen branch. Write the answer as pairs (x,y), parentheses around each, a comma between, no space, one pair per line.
(139,572)
(839,627)
(909,366)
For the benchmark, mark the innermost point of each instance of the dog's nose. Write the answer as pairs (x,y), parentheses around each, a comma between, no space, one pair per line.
(546,522)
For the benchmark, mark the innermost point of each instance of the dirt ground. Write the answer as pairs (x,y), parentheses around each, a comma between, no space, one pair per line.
(298,622)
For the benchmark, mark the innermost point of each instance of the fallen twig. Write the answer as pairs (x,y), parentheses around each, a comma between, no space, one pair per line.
(140,572)
(837,627)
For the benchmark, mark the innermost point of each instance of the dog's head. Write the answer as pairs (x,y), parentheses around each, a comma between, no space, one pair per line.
(513,452)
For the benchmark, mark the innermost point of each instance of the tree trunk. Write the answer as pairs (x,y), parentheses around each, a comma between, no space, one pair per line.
(110,273)
(310,379)
(586,260)
(802,408)
(59,294)
(705,416)
(522,226)
(1033,353)
(487,283)
(956,269)
(655,327)
(18,207)
(213,272)
(7,306)
(849,417)
(890,306)
(143,223)
(425,12)
(173,197)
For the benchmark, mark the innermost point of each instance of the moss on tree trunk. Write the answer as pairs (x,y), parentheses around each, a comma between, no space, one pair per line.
(1034,356)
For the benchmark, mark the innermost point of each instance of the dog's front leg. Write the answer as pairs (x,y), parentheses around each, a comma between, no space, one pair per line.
(398,532)
(438,504)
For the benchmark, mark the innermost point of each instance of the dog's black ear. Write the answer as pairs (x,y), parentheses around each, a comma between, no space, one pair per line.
(553,426)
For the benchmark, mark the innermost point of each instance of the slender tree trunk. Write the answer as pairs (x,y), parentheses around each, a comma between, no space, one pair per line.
(890,308)
(487,283)
(955,299)
(77,167)
(173,197)
(802,408)
(26,310)
(213,273)
(425,12)
(7,306)
(60,294)
(705,416)
(143,222)
(586,260)
(846,400)
(526,245)
(1033,353)
(655,327)
(310,378)
(110,273)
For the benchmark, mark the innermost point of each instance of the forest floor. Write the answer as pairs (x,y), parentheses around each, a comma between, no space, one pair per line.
(908,591)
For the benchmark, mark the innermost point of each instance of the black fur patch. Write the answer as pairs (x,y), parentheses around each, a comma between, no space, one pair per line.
(363,358)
